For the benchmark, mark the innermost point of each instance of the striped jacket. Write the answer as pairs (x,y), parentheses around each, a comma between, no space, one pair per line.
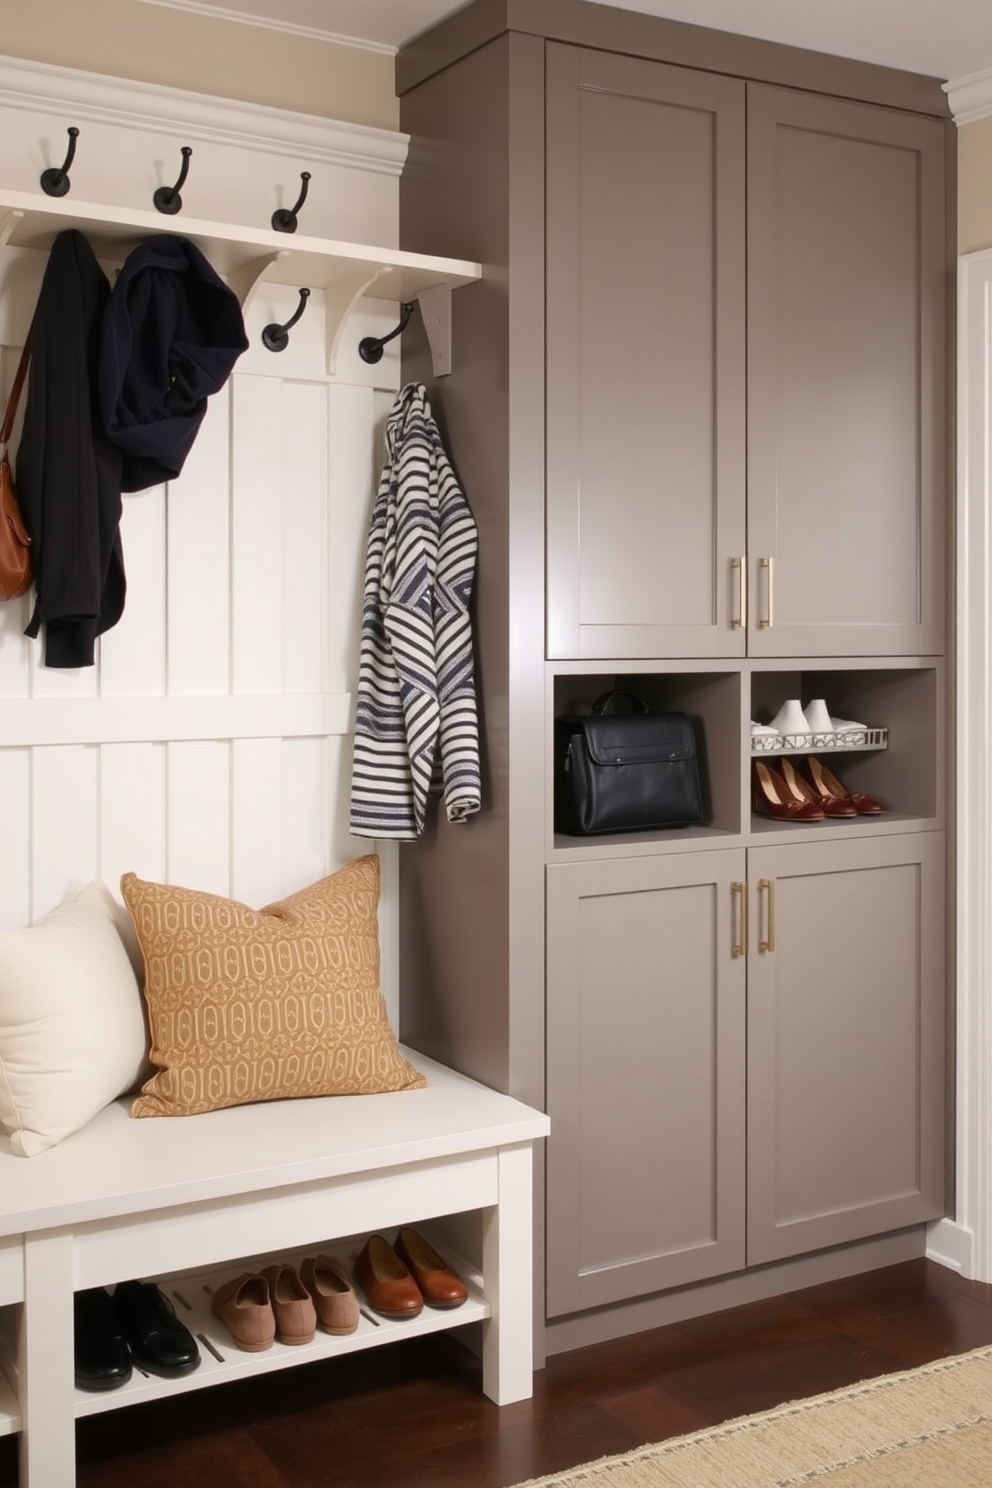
(416,724)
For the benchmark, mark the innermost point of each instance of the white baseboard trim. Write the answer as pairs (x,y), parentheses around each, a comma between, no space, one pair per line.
(953,1245)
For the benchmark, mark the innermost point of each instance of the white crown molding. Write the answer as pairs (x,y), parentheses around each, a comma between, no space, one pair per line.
(312,33)
(97,97)
(970,97)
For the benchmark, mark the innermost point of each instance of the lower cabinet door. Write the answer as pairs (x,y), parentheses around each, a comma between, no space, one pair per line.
(646,1068)
(846,1025)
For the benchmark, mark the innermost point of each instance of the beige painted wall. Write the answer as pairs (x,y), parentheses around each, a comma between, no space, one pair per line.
(975,186)
(155,44)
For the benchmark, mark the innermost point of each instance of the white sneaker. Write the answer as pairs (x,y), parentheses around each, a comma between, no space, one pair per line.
(792,723)
(821,725)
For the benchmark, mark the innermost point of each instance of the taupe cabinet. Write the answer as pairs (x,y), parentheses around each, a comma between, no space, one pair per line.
(777,1012)
(697,403)
(716,493)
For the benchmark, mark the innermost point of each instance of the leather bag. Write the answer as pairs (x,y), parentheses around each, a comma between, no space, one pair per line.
(625,772)
(15,542)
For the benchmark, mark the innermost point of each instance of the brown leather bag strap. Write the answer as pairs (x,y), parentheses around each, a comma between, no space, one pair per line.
(15,393)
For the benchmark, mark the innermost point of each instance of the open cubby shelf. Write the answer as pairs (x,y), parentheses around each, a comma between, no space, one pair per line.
(895,756)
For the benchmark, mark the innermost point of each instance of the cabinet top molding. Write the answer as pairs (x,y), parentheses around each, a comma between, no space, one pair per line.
(678,42)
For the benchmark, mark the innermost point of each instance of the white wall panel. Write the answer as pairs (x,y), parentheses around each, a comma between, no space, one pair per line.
(132,812)
(15,653)
(15,792)
(307,592)
(257,538)
(64,799)
(198,527)
(308,848)
(350,492)
(198,816)
(256,821)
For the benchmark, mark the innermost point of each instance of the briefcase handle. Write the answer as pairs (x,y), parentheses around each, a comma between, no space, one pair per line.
(637,705)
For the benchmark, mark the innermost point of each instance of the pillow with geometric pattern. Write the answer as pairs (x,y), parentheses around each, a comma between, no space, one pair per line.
(264,1004)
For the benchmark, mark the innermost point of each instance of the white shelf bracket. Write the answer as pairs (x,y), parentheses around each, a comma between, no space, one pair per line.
(245,281)
(340,299)
(7,224)
(435,310)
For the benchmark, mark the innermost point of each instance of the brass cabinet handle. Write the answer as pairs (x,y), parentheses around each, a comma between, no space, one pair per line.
(739,892)
(767,942)
(740,564)
(767,620)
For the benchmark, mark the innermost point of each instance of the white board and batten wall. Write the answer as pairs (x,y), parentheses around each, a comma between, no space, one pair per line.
(210,745)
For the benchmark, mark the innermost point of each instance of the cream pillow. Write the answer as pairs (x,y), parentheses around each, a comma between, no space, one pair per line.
(72,1024)
(253,1005)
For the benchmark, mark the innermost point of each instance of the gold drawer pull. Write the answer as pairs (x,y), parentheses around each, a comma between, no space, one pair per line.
(767,943)
(739,892)
(740,564)
(767,620)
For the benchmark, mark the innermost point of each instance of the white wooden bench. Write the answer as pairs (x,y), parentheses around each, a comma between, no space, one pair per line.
(186,1200)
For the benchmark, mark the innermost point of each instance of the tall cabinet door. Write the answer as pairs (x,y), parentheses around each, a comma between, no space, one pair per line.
(846,295)
(846,1014)
(645,1063)
(645,358)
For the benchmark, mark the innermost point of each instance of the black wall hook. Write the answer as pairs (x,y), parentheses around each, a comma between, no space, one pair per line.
(370,347)
(55,180)
(285,219)
(276,337)
(167,198)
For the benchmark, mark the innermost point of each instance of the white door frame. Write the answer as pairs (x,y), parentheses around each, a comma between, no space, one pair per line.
(965,1240)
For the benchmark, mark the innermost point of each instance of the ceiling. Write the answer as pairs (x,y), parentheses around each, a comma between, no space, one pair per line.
(949,39)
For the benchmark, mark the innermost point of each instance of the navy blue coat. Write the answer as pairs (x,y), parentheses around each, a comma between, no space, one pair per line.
(68,474)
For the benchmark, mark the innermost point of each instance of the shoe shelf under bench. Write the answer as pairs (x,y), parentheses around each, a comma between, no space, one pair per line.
(183,1200)
(221,1361)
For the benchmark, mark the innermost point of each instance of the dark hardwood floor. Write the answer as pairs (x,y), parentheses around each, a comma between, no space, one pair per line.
(412,1414)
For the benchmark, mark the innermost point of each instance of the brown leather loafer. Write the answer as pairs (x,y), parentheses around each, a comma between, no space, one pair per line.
(439,1284)
(385,1280)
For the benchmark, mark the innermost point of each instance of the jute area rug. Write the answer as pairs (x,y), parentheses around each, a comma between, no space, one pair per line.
(924,1428)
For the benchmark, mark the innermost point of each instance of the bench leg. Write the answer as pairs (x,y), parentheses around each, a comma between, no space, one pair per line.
(45,1364)
(508,1274)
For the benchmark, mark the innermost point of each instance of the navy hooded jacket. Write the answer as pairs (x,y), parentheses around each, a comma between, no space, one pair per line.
(172,333)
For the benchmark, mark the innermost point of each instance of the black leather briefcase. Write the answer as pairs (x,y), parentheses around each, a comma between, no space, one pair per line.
(625,772)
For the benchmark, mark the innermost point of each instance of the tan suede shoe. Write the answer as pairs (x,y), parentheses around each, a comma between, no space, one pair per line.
(332,1293)
(245,1307)
(296,1320)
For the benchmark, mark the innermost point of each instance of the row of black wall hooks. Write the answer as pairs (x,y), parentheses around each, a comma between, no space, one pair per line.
(168,199)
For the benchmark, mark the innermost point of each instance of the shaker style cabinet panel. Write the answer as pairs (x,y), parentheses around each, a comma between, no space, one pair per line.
(846,292)
(645,358)
(846,1014)
(645,1185)
(669,436)
(792,992)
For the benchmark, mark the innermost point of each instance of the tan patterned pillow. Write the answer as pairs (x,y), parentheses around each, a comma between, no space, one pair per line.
(253,1005)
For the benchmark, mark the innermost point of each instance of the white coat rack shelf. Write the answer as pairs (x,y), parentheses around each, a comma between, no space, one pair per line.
(245,257)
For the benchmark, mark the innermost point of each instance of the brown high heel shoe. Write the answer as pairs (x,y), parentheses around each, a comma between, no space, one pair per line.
(826,784)
(800,787)
(772,797)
